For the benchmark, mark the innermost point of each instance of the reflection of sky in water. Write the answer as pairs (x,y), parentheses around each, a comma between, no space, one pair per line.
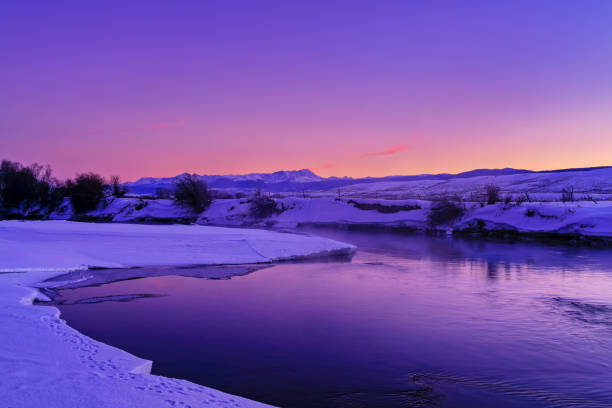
(413,319)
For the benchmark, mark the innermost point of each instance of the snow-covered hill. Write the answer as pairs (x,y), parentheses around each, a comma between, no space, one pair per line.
(586,183)
(590,181)
(582,220)
(279,179)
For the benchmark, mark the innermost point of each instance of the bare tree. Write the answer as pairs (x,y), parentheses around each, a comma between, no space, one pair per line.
(492,193)
(192,192)
(117,189)
(567,194)
(163,192)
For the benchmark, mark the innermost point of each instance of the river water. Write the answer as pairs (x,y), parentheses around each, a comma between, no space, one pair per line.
(411,321)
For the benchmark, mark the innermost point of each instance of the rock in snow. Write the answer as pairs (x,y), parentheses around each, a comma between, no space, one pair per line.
(48,364)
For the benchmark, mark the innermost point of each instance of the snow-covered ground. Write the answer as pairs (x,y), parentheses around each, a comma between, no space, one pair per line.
(399,204)
(321,211)
(48,364)
(583,218)
(593,182)
(588,218)
(540,186)
(65,245)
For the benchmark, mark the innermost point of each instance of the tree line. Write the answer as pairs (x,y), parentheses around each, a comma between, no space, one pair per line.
(33,189)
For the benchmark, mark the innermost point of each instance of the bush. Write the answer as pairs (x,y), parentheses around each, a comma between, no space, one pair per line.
(27,186)
(381,208)
(523,198)
(263,207)
(163,192)
(116,188)
(192,192)
(85,192)
(567,194)
(220,195)
(492,193)
(445,211)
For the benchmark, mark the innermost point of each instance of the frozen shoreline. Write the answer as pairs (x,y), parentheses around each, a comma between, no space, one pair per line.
(581,222)
(53,365)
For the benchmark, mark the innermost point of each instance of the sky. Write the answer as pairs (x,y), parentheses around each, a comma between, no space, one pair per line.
(344,88)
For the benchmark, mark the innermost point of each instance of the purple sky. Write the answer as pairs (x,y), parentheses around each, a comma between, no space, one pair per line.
(341,87)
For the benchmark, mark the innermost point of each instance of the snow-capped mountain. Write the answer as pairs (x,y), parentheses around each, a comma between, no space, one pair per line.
(291,176)
(292,180)
(306,180)
(279,180)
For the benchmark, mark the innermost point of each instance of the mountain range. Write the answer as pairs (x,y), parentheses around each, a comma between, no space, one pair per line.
(294,180)
(306,180)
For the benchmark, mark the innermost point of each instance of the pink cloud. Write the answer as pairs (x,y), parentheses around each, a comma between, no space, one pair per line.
(388,152)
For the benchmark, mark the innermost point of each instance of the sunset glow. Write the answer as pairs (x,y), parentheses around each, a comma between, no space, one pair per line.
(342,88)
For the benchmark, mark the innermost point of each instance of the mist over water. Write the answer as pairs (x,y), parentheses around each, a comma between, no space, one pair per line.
(411,321)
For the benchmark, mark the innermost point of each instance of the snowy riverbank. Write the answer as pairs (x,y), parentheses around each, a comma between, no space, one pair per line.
(586,220)
(52,365)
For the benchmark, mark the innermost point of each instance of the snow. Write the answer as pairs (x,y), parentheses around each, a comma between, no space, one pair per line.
(585,218)
(589,215)
(56,245)
(315,211)
(46,363)
(244,182)
(596,183)
(127,209)
(580,217)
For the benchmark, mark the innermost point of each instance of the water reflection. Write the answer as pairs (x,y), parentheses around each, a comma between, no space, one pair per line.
(411,321)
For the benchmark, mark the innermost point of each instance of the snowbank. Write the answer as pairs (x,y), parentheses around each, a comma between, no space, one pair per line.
(320,211)
(583,218)
(540,186)
(587,218)
(46,363)
(65,245)
(129,210)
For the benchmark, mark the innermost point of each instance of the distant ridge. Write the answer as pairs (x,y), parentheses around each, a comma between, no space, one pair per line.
(574,169)
(307,180)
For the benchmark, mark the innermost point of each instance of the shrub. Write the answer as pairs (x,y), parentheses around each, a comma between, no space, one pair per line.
(263,207)
(116,188)
(191,192)
(27,186)
(492,193)
(523,198)
(85,192)
(141,204)
(444,211)
(567,194)
(220,195)
(163,192)
(381,208)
